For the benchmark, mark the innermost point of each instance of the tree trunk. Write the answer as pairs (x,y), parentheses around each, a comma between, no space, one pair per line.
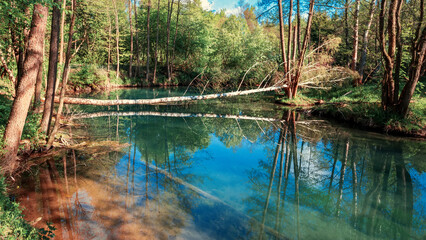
(289,41)
(156,44)
(61,51)
(388,84)
(346,23)
(52,71)
(417,63)
(9,72)
(298,27)
(83,101)
(365,41)
(65,74)
(174,41)
(117,39)
(398,53)
(25,91)
(39,83)
(147,40)
(295,82)
(283,53)
(131,38)
(137,39)
(355,45)
(109,46)
(169,18)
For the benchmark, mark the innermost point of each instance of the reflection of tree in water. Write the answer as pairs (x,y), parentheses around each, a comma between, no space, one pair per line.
(362,188)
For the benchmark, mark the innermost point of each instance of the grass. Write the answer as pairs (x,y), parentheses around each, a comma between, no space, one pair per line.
(361,105)
(12,223)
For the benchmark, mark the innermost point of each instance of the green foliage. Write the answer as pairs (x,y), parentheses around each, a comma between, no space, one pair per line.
(12,223)
(89,76)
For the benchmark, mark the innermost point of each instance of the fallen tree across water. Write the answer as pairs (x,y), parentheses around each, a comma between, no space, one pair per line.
(85,101)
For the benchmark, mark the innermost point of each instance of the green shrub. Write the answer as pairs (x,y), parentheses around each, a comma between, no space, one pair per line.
(12,223)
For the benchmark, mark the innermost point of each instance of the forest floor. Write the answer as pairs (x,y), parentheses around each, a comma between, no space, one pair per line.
(360,108)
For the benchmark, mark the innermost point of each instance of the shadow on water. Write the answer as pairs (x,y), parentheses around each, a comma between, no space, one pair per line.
(224,178)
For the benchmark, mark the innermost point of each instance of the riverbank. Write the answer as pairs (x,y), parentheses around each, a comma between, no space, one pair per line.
(359,107)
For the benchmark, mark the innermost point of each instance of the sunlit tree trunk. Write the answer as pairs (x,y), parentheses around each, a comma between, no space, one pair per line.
(147,40)
(365,40)
(61,51)
(109,46)
(39,83)
(52,70)
(295,81)
(398,53)
(417,63)
(283,52)
(174,41)
(289,41)
(131,38)
(156,44)
(25,91)
(137,39)
(169,18)
(65,74)
(355,45)
(117,39)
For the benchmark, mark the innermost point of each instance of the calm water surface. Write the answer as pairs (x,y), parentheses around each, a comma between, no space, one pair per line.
(225,169)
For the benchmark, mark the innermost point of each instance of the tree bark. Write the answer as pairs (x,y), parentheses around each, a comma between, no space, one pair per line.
(417,63)
(298,26)
(25,91)
(131,38)
(295,82)
(355,45)
(61,51)
(365,41)
(117,39)
(398,53)
(169,19)
(147,40)
(156,44)
(39,83)
(52,71)
(283,52)
(289,41)
(65,74)
(84,101)
(137,39)
(174,41)
(109,46)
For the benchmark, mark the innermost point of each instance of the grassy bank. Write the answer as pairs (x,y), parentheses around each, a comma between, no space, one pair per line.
(360,107)
(12,223)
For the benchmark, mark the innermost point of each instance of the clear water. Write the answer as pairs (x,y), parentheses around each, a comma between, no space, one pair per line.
(233,173)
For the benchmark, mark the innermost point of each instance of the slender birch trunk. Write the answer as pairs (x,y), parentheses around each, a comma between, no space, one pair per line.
(365,41)
(156,44)
(355,45)
(131,38)
(147,40)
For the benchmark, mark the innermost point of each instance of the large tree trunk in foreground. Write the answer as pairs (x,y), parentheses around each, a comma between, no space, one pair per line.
(25,91)
(65,74)
(52,71)
(39,83)
(84,101)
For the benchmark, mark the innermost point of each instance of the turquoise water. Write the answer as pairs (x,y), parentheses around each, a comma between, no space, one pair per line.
(246,169)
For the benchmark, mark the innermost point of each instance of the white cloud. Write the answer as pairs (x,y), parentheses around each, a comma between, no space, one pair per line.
(206,5)
(234,11)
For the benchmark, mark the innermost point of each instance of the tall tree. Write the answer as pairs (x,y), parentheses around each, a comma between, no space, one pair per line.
(117,39)
(169,18)
(174,41)
(137,39)
(131,38)
(365,40)
(147,40)
(53,69)
(283,53)
(25,91)
(61,51)
(156,43)
(355,45)
(65,75)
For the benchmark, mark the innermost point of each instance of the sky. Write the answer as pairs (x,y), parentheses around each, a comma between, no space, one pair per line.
(217,5)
